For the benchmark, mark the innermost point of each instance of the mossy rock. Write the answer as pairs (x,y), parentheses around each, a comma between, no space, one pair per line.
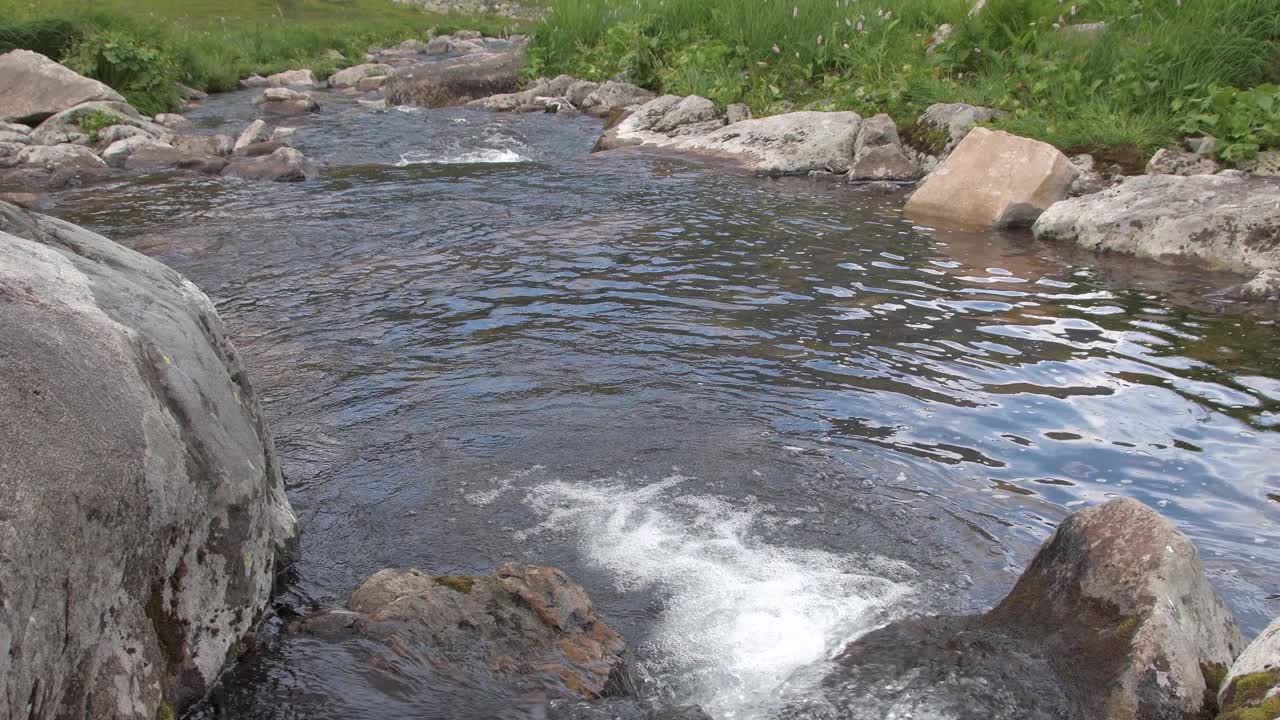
(166,712)
(924,137)
(461,583)
(1251,697)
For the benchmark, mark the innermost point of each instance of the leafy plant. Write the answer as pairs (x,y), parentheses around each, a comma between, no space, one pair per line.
(1244,122)
(146,75)
(94,121)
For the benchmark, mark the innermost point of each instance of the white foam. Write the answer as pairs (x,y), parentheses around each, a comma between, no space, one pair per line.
(482,156)
(742,620)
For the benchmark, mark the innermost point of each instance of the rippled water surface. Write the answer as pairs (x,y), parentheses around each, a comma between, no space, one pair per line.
(752,417)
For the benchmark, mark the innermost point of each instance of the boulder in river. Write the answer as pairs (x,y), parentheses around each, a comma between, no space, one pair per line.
(531,625)
(33,87)
(284,164)
(1251,688)
(1230,221)
(53,157)
(659,121)
(1113,620)
(133,444)
(283,101)
(351,77)
(994,179)
(215,145)
(69,125)
(292,78)
(163,157)
(456,81)
(117,152)
(254,132)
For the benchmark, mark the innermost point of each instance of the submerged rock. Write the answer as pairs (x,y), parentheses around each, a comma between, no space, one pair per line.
(456,81)
(1113,620)
(33,87)
(531,625)
(134,445)
(994,179)
(1230,221)
(1251,688)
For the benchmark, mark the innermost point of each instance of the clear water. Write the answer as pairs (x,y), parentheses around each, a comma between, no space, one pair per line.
(754,418)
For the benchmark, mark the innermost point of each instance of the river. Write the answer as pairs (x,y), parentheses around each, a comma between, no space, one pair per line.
(753,417)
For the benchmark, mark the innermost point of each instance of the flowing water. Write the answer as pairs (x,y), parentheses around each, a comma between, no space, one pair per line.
(753,418)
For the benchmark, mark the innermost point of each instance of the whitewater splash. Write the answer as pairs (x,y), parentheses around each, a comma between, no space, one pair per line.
(745,624)
(476,157)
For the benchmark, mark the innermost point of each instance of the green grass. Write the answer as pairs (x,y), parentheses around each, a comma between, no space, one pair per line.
(141,47)
(1115,92)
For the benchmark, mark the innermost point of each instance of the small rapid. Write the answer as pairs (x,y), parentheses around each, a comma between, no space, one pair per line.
(753,418)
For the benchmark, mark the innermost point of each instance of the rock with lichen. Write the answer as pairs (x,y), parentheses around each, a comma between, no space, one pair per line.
(1251,688)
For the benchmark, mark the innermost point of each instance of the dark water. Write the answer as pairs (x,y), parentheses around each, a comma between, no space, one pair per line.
(752,417)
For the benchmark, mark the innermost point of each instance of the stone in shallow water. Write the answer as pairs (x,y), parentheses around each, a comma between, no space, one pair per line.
(1114,619)
(531,625)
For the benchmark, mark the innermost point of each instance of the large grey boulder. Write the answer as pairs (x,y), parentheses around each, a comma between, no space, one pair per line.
(284,164)
(33,87)
(457,81)
(66,126)
(1230,221)
(993,179)
(528,625)
(54,157)
(1113,620)
(789,144)
(1252,685)
(351,77)
(145,519)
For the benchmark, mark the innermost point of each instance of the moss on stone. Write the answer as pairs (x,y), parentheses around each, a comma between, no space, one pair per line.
(460,583)
(166,712)
(1268,710)
(1214,674)
(1246,697)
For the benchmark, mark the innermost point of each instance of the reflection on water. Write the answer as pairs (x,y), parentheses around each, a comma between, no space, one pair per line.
(877,406)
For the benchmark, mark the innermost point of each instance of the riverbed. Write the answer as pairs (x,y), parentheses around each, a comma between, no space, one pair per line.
(754,418)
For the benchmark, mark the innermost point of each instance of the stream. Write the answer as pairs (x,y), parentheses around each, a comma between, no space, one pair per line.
(753,418)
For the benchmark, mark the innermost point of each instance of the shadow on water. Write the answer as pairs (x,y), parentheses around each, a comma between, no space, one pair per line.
(754,418)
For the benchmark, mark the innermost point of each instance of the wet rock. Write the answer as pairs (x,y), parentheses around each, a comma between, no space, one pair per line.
(292,78)
(66,125)
(1175,162)
(283,165)
(283,101)
(25,200)
(159,157)
(258,149)
(215,145)
(613,96)
(351,77)
(255,132)
(120,150)
(52,157)
(283,135)
(1113,619)
(994,179)
(1230,221)
(956,120)
(456,81)
(623,708)
(1264,286)
(371,83)
(1251,688)
(173,121)
(170,528)
(878,153)
(737,112)
(33,87)
(532,625)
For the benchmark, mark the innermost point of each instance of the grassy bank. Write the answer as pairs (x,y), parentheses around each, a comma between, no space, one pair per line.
(1157,67)
(142,47)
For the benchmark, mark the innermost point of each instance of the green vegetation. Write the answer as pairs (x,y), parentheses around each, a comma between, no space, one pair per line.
(459,583)
(143,47)
(93,122)
(1243,121)
(166,712)
(1127,88)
